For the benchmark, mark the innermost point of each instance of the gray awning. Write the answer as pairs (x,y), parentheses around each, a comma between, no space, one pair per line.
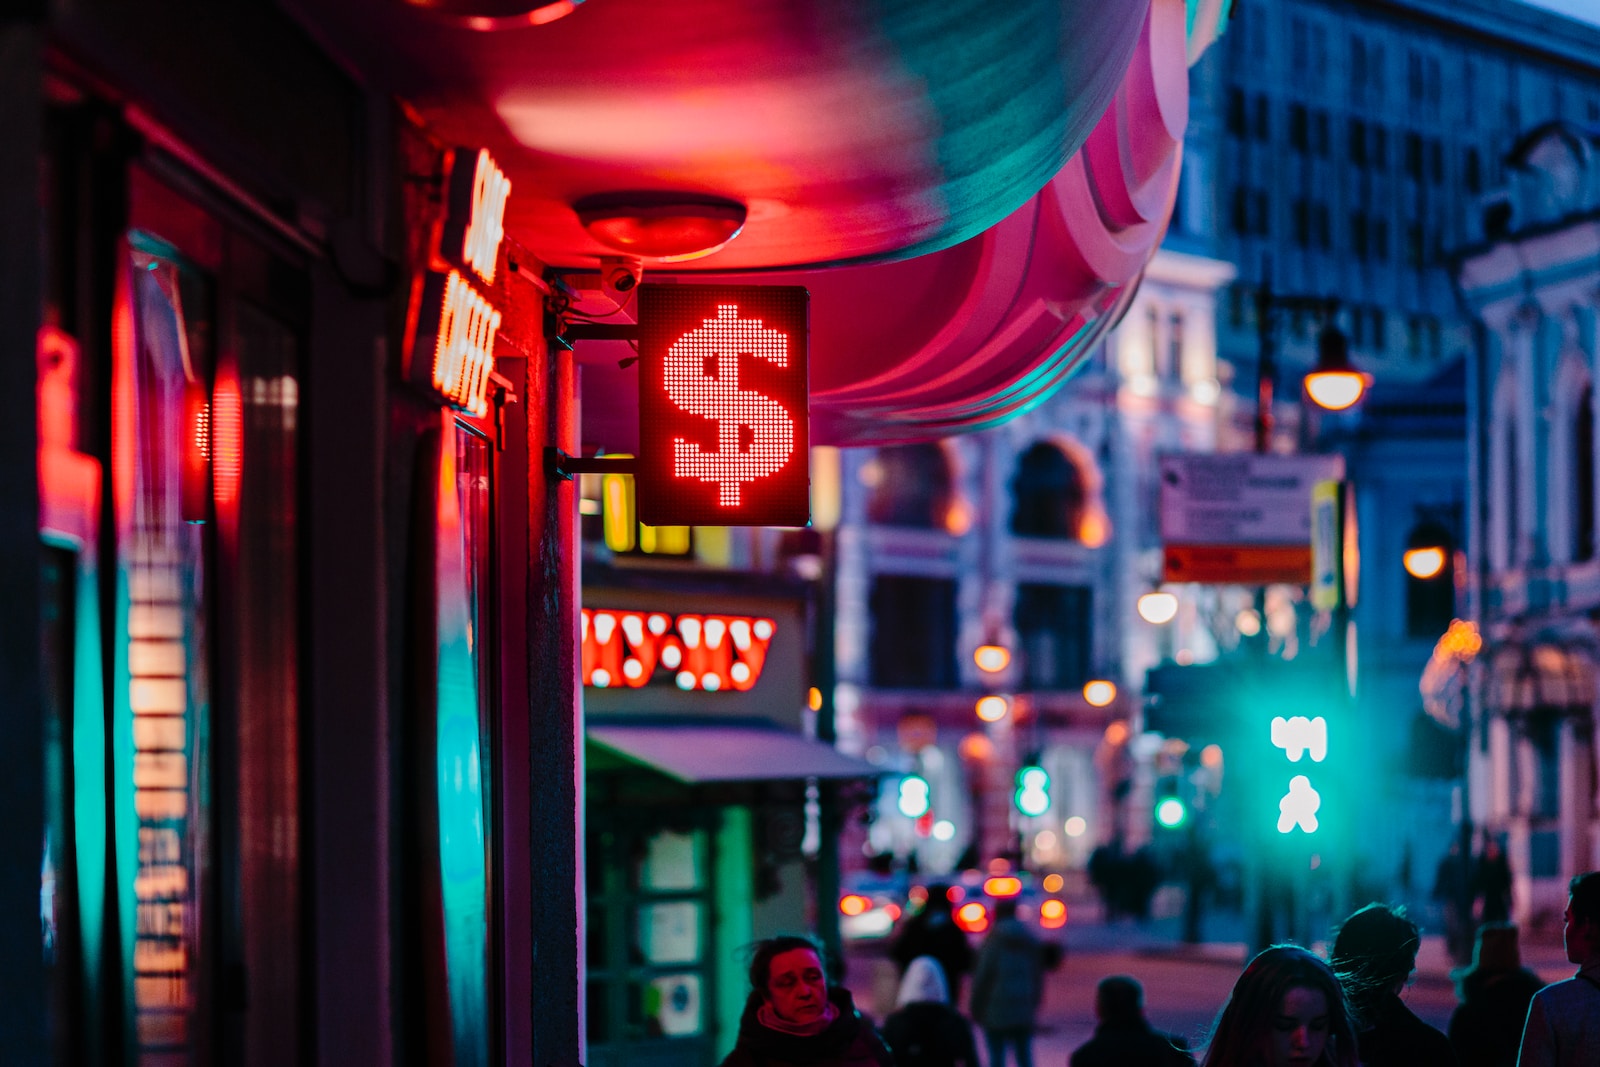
(702,752)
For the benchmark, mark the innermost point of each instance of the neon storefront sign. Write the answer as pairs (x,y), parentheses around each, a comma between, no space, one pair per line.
(710,653)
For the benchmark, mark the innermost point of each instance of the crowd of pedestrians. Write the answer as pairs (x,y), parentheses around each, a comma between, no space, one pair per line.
(1289,1007)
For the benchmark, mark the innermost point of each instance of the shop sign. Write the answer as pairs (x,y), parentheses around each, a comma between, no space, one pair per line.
(723,406)
(706,652)
(1240,518)
(454,319)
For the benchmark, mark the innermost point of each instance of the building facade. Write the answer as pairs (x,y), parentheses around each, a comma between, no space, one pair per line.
(1531,281)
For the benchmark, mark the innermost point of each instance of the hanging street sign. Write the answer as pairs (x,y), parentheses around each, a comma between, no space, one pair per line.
(1240,518)
(723,406)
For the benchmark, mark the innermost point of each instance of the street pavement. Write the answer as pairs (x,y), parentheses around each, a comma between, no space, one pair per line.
(1185,985)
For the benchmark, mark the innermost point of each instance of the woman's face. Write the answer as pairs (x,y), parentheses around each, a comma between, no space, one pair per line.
(1300,1029)
(796,988)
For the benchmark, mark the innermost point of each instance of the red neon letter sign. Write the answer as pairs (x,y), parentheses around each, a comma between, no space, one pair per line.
(723,406)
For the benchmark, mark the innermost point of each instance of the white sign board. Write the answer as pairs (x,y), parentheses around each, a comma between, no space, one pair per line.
(1240,516)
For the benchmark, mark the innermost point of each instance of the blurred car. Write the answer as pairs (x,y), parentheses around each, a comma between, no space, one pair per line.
(870,904)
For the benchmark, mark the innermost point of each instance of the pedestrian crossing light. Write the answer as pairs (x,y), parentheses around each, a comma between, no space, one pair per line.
(1301,739)
(1033,790)
(914,800)
(1299,805)
(1171,812)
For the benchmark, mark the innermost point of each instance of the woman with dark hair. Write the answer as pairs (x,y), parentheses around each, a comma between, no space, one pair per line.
(1286,1010)
(793,1018)
(1374,953)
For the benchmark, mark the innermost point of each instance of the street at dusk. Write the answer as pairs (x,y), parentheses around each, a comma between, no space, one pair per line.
(590,533)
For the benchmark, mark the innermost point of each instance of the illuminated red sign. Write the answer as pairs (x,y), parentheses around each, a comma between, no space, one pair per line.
(723,406)
(451,339)
(707,652)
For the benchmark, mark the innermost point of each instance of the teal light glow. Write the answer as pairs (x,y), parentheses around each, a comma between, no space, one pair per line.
(1171,813)
(460,780)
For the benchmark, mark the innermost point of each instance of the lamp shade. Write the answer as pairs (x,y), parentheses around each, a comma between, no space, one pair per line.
(1334,383)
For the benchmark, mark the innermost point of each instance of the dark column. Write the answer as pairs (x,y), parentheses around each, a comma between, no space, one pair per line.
(347,719)
(23,986)
(555,729)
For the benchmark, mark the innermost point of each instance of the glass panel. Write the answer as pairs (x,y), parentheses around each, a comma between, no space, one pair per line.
(672,1005)
(597,1010)
(666,1006)
(669,932)
(671,861)
(162,688)
(255,461)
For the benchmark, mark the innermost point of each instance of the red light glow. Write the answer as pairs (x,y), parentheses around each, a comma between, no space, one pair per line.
(1052,914)
(661,226)
(854,904)
(704,652)
(464,353)
(723,406)
(972,917)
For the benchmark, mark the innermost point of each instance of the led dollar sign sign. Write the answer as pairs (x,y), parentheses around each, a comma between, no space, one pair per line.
(755,435)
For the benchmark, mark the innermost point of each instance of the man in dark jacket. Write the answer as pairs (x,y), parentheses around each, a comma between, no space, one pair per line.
(1374,954)
(1124,1037)
(933,932)
(794,1019)
(1008,986)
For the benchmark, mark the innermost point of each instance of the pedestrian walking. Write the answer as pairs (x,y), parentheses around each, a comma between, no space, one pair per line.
(932,931)
(1374,954)
(1450,890)
(792,1017)
(924,1030)
(1491,883)
(1007,986)
(1286,1010)
(1563,1027)
(1494,992)
(1123,1037)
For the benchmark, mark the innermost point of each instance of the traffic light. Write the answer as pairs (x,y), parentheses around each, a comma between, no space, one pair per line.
(1171,810)
(914,800)
(1302,741)
(1033,790)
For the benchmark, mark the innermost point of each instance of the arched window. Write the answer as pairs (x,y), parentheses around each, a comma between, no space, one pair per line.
(910,487)
(1047,494)
(1583,475)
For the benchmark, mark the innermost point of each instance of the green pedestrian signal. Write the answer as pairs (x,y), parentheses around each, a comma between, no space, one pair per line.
(1033,790)
(1171,812)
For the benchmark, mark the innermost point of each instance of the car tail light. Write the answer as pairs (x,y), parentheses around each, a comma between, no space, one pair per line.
(1002,886)
(972,917)
(1052,914)
(854,904)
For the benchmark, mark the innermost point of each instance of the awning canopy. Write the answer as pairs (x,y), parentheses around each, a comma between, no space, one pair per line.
(701,752)
(1547,672)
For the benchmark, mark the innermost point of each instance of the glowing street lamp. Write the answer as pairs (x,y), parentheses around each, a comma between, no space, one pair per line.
(1099,692)
(1334,384)
(1424,563)
(992,659)
(992,708)
(1158,607)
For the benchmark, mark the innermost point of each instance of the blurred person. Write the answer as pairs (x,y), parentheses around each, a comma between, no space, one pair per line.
(932,931)
(1286,1010)
(1563,1027)
(1008,986)
(1449,887)
(1123,1037)
(792,1017)
(1491,883)
(1494,992)
(1374,954)
(924,1030)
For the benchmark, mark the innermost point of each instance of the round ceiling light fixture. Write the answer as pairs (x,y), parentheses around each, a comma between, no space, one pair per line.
(667,227)
(488,15)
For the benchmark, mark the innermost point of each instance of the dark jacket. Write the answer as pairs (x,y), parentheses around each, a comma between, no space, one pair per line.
(849,1041)
(1009,980)
(1132,1044)
(1486,1027)
(1400,1039)
(929,1034)
(933,932)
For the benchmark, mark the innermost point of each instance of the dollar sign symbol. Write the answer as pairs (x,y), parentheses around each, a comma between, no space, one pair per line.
(755,435)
